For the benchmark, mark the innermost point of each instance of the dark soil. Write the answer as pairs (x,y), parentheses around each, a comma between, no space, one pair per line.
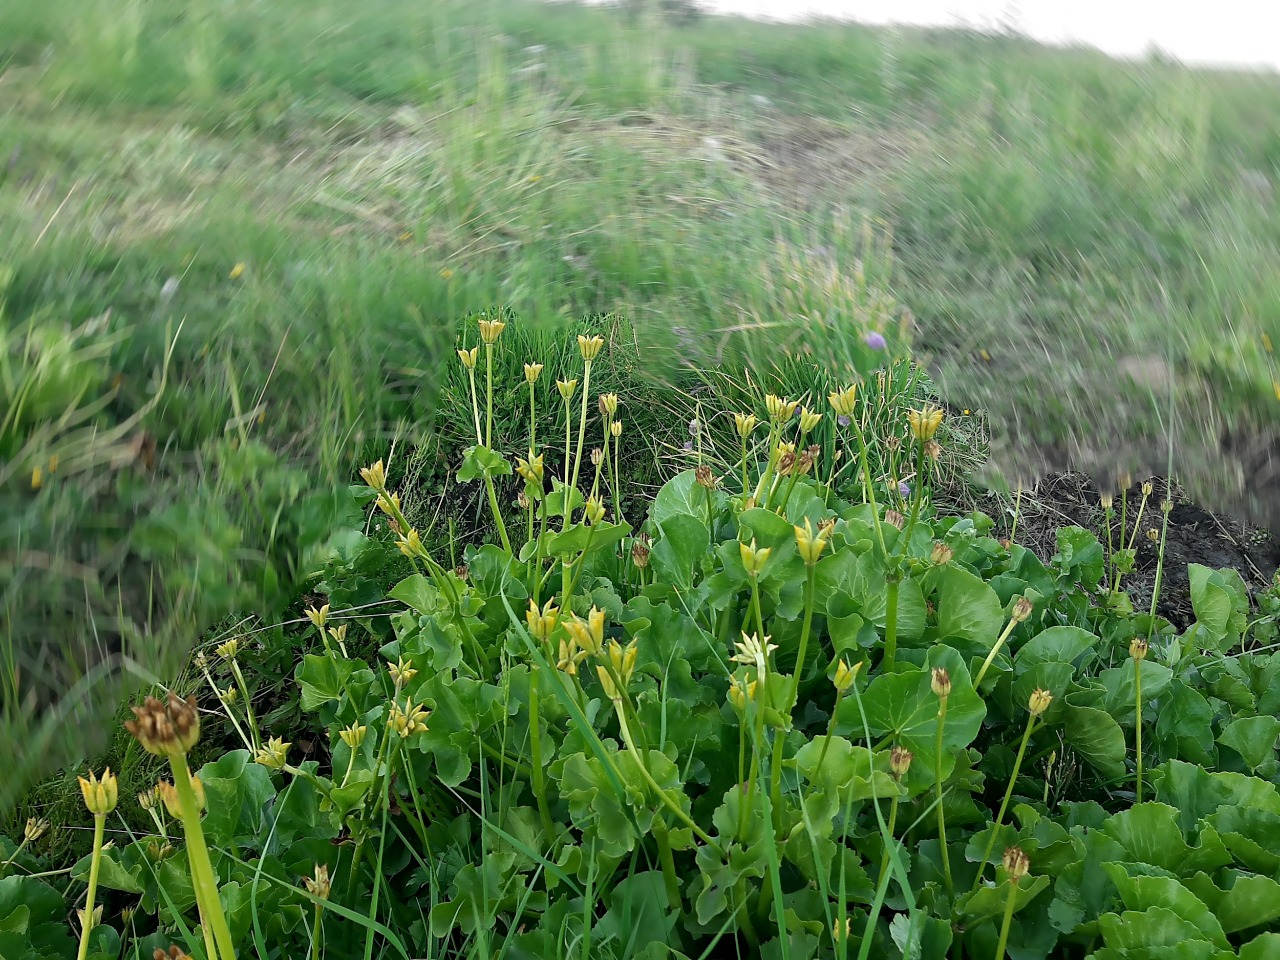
(1195,536)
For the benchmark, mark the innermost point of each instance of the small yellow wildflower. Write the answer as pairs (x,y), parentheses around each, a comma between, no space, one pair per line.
(237,271)
(924,423)
(531,372)
(273,754)
(590,347)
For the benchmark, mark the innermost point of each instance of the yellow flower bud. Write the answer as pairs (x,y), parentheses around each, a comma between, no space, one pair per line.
(411,545)
(468,357)
(742,692)
(531,372)
(35,829)
(615,428)
(570,657)
(401,672)
(593,511)
(567,388)
(753,560)
(609,403)
(924,423)
(941,554)
(406,722)
(1022,610)
(809,545)
(228,650)
(845,675)
(541,622)
(1147,488)
(389,503)
(1138,649)
(169,794)
(808,420)
(318,617)
(532,470)
(590,347)
(744,423)
(229,696)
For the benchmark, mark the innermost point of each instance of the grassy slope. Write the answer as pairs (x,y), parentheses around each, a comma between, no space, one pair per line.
(1055,216)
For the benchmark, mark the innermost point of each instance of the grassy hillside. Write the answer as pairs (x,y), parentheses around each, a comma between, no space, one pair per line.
(241,233)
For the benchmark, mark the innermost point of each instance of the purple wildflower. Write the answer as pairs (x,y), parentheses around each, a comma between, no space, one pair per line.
(844,420)
(694,427)
(688,444)
(875,340)
(904,489)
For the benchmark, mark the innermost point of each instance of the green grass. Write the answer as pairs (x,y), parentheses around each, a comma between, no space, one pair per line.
(381,174)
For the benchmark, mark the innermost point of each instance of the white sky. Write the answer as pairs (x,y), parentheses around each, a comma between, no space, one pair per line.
(1245,32)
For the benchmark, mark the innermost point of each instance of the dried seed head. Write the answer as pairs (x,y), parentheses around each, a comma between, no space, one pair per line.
(640,554)
(705,478)
(786,462)
(1021,610)
(169,728)
(1106,501)
(523,501)
(933,450)
(1147,488)
(941,554)
(1153,534)
(597,456)
(173,953)
(147,799)
(899,761)
(941,683)
(1138,649)
(894,518)
(1016,863)
(893,443)
(35,829)
(1166,506)
(808,457)
(319,885)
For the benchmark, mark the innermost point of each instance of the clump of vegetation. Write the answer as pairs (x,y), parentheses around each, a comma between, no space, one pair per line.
(793,711)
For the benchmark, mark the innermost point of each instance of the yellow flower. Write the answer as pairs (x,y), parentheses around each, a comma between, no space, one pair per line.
(609,403)
(409,721)
(319,885)
(541,622)
(169,794)
(845,675)
(318,617)
(273,754)
(842,401)
(531,372)
(780,410)
(388,503)
(411,545)
(570,657)
(1266,343)
(468,357)
(615,428)
(353,735)
(808,419)
(1039,701)
(533,470)
(1138,649)
(924,423)
(34,829)
(375,476)
(229,696)
(590,347)
(37,478)
(567,388)
(809,544)
(401,672)
(446,274)
(491,330)
(941,554)
(742,691)
(148,799)
(623,661)
(744,423)
(228,650)
(753,560)
(237,271)
(1021,610)
(754,652)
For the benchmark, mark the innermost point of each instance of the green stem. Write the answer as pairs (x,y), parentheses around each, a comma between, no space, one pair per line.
(831,729)
(568,454)
(1004,804)
(937,775)
(743,447)
(535,740)
(1137,721)
(617,479)
(488,398)
(315,933)
(99,825)
(203,878)
(1003,942)
(890,621)
(1004,635)
(582,432)
(882,887)
(767,474)
(475,404)
(248,704)
(497,513)
(775,769)
(669,877)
